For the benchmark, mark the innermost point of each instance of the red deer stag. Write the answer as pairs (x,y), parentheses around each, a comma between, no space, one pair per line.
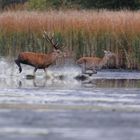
(39,60)
(94,63)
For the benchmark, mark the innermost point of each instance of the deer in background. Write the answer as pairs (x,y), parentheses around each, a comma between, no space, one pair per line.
(94,63)
(40,60)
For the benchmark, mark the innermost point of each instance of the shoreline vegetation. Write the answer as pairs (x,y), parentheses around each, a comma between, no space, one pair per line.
(82,32)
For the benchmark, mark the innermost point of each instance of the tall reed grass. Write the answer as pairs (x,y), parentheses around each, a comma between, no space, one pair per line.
(86,33)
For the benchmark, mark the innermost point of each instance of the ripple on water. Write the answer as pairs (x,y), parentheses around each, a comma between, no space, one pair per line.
(23,131)
(46,96)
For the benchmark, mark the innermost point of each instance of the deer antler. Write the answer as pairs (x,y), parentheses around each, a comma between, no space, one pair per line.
(50,39)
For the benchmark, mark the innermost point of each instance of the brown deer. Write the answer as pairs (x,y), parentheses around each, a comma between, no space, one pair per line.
(39,60)
(94,63)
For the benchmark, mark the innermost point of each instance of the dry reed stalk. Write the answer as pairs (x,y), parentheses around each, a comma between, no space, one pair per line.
(63,21)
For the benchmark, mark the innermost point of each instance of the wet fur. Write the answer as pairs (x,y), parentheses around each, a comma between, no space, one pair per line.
(94,63)
(37,60)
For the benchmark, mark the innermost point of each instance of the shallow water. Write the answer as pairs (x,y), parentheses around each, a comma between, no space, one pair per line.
(57,106)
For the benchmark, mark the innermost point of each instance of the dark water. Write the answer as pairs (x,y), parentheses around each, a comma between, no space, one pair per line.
(56,106)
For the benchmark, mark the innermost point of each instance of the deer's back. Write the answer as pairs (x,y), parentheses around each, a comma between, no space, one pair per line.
(35,59)
(89,60)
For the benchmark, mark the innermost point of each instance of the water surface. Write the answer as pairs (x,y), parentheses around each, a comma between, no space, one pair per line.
(57,106)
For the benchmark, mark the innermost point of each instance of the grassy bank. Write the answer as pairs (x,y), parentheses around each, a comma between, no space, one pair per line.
(86,33)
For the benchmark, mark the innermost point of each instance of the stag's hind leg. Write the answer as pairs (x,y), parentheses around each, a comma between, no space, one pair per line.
(18,63)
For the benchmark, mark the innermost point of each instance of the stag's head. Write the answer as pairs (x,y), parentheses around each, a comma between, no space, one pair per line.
(57,53)
(55,45)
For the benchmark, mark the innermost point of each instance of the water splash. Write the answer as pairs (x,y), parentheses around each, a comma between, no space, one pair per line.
(62,76)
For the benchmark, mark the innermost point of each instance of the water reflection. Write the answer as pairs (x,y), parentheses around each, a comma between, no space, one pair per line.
(97,83)
(35,84)
(59,81)
(112,83)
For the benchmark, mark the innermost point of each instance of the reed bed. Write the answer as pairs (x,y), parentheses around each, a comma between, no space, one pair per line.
(85,33)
